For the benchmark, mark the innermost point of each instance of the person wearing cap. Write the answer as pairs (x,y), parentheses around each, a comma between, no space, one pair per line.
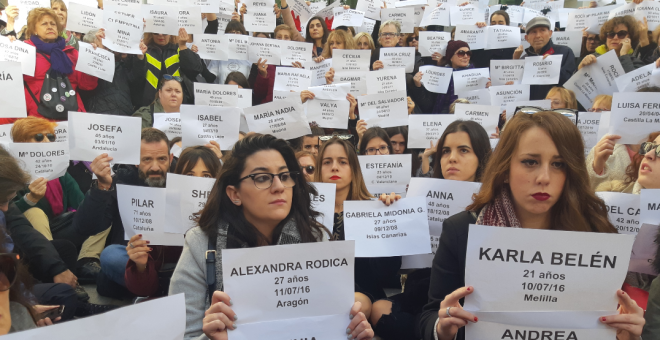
(539,36)
(457,56)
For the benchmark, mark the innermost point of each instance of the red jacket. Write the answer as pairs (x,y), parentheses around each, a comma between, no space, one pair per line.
(263,87)
(79,81)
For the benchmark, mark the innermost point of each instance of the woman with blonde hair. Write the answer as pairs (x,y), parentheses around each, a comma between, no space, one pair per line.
(60,8)
(561,98)
(363,41)
(338,40)
(602,102)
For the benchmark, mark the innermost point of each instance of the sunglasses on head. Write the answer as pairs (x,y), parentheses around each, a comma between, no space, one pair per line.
(171,77)
(621,34)
(309,169)
(647,147)
(326,138)
(464,53)
(40,137)
(8,268)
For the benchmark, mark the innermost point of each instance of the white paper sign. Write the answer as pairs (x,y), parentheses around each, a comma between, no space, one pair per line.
(480,96)
(385,81)
(96,62)
(292,79)
(190,19)
(123,28)
(622,210)
(264,48)
(593,18)
(296,51)
(47,160)
(349,17)
(435,78)
(571,39)
(91,134)
(237,46)
(371,8)
(170,123)
(259,17)
(202,124)
(283,118)
(471,34)
(336,91)
(444,198)
(634,116)
(398,57)
(216,94)
(210,46)
(12,100)
(636,79)
(435,16)
(487,116)
(367,26)
(424,129)
(470,80)
(19,52)
(161,19)
(328,113)
(431,42)
(244,98)
(405,16)
(207,6)
(650,10)
(62,132)
(318,71)
(386,173)
(502,37)
(83,18)
(185,197)
(539,71)
(515,12)
(379,230)
(24,8)
(588,123)
(351,60)
(324,203)
(307,288)
(504,71)
(384,109)
(465,15)
(650,206)
(5,133)
(357,79)
(142,211)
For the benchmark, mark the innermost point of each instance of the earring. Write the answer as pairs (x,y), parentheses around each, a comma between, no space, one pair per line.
(236,201)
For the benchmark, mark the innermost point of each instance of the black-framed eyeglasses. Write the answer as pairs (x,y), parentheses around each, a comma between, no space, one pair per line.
(309,169)
(8,268)
(171,77)
(265,180)
(464,53)
(621,34)
(39,137)
(383,150)
(647,147)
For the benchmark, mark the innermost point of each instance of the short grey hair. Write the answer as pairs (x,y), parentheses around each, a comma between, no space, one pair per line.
(394,23)
(90,37)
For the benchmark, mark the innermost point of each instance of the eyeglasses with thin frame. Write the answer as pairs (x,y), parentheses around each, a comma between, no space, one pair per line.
(40,137)
(387,35)
(382,150)
(8,267)
(265,180)
(621,34)
(309,169)
(647,147)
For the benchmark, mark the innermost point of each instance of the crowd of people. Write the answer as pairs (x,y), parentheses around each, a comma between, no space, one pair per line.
(56,235)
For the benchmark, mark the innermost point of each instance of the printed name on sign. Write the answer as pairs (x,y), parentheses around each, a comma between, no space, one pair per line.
(202,124)
(384,109)
(185,197)
(386,173)
(424,129)
(216,94)
(49,160)
(92,134)
(284,119)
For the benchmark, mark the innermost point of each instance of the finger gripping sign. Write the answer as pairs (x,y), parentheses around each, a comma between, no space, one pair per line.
(47,160)
(91,134)
(142,211)
(570,277)
(303,287)
(379,230)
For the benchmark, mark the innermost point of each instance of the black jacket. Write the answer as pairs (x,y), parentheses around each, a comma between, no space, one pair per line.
(43,260)
(99,211)
(482,58)
(652,316)
(568,67)
(113,98)
(447,271)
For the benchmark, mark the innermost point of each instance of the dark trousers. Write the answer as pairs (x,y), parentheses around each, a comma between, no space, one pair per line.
(56,294)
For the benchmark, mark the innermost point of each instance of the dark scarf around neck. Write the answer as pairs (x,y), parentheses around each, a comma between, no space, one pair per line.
(59,61)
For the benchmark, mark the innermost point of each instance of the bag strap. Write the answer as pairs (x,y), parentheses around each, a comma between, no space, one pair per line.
(210,266)
(31,94)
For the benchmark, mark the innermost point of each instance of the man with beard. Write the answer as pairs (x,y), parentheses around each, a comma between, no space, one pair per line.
(100,210)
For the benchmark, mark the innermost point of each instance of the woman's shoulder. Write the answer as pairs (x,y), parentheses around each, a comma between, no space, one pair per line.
(459,223)
(616,186)
(21,319)
(197,237)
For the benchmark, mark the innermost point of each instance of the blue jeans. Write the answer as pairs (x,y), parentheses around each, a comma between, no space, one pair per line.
(113,262)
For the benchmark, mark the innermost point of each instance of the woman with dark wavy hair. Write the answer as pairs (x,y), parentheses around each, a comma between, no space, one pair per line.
(240,213)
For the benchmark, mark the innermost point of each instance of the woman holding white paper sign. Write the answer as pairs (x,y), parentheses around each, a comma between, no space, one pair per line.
(481,57)
(338,163)
(169,97)
(536,179)
(265,80)
(259,199)
(636,176)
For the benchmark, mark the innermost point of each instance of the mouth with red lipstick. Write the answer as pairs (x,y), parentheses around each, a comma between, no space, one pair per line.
(335,178)
(541,196)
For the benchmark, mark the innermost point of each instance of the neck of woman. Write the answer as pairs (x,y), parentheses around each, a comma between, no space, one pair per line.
(171,109)
(340,197)
(265,228)
(534,221)
(318,42)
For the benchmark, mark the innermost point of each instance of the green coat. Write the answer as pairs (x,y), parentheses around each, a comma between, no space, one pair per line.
(147,113)
(71,197)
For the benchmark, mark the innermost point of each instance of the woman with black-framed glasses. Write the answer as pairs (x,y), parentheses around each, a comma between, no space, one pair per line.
(622,34)
(260,199)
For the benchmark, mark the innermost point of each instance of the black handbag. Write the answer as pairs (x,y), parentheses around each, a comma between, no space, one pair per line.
(57,95)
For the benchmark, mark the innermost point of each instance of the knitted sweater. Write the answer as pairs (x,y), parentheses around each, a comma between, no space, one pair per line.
(615,167)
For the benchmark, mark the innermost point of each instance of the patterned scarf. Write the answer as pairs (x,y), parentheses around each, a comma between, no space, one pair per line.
(500,213)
